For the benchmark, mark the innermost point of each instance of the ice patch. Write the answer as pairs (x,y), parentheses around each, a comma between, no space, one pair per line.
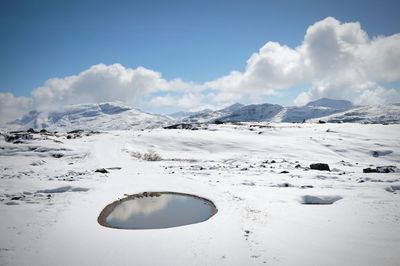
(248,183)
(381,153)
(63,190)
(392,188)
(38,162)
(79,189)
(319,200)
(12,203)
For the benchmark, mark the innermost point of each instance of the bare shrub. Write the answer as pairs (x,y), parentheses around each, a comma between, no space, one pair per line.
(151,156)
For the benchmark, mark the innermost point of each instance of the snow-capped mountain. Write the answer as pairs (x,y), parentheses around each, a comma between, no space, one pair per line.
(116,116)
(271,112)
(331,103)
(253,112)
(206,115)
(372,114)
(103,116)
(314,109)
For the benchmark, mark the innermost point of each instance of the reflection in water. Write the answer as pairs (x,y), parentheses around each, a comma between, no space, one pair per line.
(166,210)
(144,206)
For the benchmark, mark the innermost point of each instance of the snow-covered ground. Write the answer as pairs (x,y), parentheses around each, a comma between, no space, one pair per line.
(257,174)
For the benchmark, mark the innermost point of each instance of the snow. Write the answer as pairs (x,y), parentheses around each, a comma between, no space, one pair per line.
(206,115)
(103,116)
(331,103)
(253,112)
(373,114)
(316,109)
(257,175)
(115,116)
(267,112)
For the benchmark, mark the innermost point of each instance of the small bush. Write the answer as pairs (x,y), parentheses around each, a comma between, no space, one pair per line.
(151,156)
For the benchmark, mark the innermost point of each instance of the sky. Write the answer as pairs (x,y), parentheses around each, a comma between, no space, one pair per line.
(165,56)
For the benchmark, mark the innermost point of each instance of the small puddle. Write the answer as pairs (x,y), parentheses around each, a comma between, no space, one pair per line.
(155,210)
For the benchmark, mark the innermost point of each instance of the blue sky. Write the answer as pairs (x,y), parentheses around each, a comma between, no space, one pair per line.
(197,41)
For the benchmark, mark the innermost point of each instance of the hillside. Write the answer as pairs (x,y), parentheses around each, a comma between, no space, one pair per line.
(103,116)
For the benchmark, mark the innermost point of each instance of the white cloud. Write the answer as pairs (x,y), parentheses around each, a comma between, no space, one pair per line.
(336,60)
(273,67)
(378,95)
(189,101)
(99,83)
(163,101)
(345,63)
(106,83)
(12,107)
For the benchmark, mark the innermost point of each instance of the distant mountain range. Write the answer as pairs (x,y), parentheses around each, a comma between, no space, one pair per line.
(115,116)
(268,112)
(103,116)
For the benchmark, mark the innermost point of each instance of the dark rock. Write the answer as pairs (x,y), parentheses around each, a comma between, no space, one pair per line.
(69,137)
(180,126)
(369,170)
(321,122)
(43,131)
(76,131)
(114,168)
(16,198)
(386,169)
(20,135)
(375,154)
(381,169)
(101,170)
(320,166)
(57,155)
(31,130)
(297,166)
(218,122)
(284,172)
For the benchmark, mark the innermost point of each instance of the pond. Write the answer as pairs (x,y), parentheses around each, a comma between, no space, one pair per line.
(155,210)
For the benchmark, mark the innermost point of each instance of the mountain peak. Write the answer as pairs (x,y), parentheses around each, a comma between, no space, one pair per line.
(107,115)
(331,103)
(232,107)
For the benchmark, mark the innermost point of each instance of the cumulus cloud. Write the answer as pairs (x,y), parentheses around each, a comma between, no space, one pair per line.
(194,101)
(12,107)
(273,67)
(99,83)
(106,83)
(335,60)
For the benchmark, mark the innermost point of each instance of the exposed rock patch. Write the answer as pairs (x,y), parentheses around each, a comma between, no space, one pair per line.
(320,166)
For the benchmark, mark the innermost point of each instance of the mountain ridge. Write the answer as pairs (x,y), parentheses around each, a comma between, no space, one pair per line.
(104,116)
(116,116)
